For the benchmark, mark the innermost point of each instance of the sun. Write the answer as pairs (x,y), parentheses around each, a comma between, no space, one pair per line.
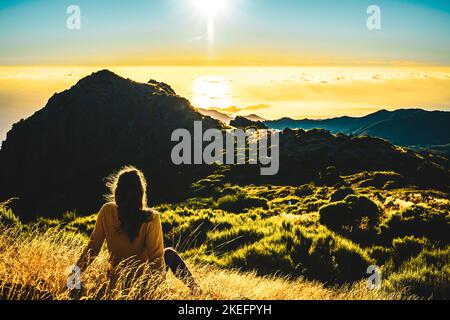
(210,7)
(212,91)
(212,11)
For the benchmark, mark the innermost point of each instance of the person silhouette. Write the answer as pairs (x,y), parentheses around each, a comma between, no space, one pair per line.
(132,230)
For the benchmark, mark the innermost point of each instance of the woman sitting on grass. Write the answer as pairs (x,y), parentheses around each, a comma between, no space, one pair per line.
(132,231)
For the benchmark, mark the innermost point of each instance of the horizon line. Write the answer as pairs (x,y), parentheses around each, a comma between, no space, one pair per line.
(395,64)
(342,116)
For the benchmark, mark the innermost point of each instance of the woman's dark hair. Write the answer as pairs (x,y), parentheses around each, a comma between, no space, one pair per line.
(129,191)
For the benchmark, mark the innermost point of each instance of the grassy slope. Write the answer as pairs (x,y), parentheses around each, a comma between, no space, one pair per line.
(36,263)
(252,242)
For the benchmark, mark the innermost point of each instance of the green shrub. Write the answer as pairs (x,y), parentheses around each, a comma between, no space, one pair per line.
(407,247)
(265,257)
(230,239)
(349,214)
(382,179)
(327,257)
(305,190)
(186,233)
(419,221)
(69,216)
(199,203)
(8,218)
(426,276)
(207,187)
(83,224)
(393,185)
(231,190)
(341,194)
(336,215)
(47,223)
(350,260)
(240,202)
(380,254)
(330,175)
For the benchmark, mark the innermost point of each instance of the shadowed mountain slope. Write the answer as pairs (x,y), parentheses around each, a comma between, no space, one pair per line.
(221,116)
(405,127)
(310,155)
(56,159)
(243,123)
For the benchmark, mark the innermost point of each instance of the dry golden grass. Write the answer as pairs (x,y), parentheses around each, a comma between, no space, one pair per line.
(34,265)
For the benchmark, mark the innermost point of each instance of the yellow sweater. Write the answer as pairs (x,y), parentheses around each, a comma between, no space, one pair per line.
(147,247)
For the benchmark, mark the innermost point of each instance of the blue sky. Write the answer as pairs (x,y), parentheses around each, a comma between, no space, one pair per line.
(248,32)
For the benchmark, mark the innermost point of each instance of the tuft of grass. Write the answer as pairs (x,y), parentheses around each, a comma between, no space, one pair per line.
(7,217)
(289,237)
(427,275)
(240,202)
(25,275)
(418,220)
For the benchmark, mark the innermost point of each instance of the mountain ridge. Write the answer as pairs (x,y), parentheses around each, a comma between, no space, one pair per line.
(399,126)
(56,160)
(85,133)
(226,117)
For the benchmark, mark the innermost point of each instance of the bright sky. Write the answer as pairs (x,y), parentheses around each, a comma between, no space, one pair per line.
(230,32)
(275,58)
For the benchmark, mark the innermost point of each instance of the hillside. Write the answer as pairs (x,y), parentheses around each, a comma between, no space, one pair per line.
(408,127)
(422,128)
(104,122)
(261,242)
(307,156)
(244,123)
(221,116)
(339,203)
(254,117)
(226,117)
(85,133)
(45,277)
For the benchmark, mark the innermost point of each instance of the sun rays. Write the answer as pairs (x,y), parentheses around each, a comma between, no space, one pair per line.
(211,10)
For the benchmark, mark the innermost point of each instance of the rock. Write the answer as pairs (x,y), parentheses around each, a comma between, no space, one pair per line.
(244,123)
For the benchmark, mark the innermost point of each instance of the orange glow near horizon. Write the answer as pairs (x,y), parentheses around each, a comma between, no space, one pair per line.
(270,92)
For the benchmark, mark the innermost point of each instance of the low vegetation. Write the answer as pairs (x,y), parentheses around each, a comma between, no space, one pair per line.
(262,242)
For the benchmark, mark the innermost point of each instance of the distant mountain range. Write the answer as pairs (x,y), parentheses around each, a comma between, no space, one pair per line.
(244,123)
(404,127)
(254,117)
(221,116)
(227,117)
(416,128)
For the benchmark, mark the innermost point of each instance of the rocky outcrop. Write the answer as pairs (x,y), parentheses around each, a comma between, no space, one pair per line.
(244,123)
